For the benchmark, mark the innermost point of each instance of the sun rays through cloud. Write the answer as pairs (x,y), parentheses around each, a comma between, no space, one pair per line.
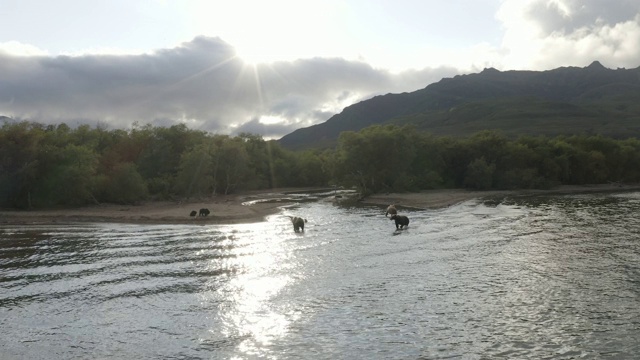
(273,67)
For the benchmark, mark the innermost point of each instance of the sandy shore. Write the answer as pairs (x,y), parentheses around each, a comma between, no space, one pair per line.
(256,206)
(224,209)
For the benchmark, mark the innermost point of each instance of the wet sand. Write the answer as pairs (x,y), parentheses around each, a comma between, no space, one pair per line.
(255,206)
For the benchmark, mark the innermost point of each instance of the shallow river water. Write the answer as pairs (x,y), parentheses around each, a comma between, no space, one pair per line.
(515,278)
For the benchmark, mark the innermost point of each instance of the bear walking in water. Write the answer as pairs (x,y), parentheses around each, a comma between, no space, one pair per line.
(391,210)
(298,223)
(401,221)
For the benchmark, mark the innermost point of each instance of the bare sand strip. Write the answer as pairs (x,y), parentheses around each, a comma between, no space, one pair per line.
(255,206)
(225,209)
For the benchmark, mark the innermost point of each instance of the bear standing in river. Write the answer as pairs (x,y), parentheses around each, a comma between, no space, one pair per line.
(298,223)
(401,221)
(391,210)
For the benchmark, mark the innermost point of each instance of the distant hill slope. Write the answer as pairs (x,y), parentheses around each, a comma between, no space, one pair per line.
(567,100)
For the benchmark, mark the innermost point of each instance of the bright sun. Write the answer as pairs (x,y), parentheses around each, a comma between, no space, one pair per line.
(254,55)
(261,32)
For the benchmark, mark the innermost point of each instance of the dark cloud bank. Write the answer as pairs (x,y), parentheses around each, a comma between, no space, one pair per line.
(200,83)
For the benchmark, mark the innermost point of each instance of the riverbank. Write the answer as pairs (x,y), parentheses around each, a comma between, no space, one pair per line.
(255,206)
(247,207)
(432,199)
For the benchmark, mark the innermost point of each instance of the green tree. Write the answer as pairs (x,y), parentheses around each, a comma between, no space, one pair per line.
(627,165)
(310,170)
(260,161)
(429,165)
(19,147)
(457,156)
(479,174)
(375,157)
(159,159)
(67,176)
(221,164)
(232,165)
(124,185)
(282,165)
(195,174)
(597,167)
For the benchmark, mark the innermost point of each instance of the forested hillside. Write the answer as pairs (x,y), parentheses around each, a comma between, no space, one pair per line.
(55,165)
(564,101)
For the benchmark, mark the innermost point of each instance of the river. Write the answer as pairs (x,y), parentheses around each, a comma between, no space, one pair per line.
(554,277)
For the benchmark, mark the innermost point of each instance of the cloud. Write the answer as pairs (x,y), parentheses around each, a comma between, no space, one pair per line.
(569,16)
(201,83)
(266,130)
(543,34)
(19,49)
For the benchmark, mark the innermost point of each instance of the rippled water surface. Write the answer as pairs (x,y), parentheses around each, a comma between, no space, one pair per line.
(536,277)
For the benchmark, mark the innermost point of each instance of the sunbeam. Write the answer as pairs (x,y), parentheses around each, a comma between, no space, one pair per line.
(158,92)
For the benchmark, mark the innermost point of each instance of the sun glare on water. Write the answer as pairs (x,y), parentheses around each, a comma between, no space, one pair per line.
(259,259)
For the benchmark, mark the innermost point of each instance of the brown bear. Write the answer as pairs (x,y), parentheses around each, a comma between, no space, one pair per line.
(401,221)
(391,210)
(298,223)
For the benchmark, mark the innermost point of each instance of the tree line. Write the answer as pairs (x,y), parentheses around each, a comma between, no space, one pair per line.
(391,158)
(54,165)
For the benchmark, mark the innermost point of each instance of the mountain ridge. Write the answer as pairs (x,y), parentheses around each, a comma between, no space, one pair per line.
(567,100)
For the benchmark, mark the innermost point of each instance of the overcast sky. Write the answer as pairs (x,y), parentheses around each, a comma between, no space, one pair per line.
(270,67)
